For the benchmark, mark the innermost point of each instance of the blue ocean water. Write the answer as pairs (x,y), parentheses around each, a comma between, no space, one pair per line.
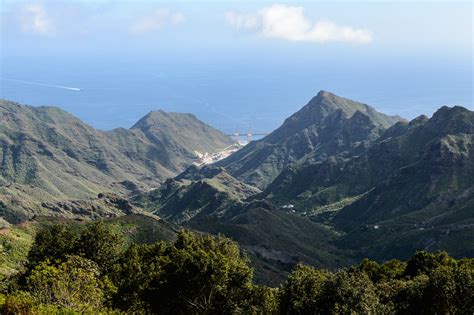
(236,94)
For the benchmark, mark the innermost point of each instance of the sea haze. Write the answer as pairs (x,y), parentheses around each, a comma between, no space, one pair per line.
(234,93)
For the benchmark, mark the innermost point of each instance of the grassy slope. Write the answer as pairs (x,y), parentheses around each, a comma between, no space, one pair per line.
(15,243)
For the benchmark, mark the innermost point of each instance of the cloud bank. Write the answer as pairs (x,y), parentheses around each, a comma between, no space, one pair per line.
(159,19)
(290,23)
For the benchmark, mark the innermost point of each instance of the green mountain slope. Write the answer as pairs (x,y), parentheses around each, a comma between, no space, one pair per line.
(195,193)
(16,241)
(337,182)
(426,198)
(276,240)
(326,126)
(410,189)
(212,201)
(62,157)
(350,181)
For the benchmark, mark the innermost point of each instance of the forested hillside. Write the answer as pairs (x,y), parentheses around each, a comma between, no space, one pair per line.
(77,269)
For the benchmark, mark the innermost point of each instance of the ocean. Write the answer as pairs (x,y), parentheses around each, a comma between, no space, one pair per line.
(232,95)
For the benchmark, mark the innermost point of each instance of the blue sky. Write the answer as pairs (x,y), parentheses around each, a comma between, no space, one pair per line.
(401,25)
(399,55)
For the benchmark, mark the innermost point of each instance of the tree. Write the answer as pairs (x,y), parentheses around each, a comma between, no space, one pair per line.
(99,243)
(74,284)
(389,270)
(302,292)
(423,263)
(450,290)
(349,293)
(263,300)
(95,241)
(53,242)
(20,302)
(201,274)
(137,267)
(408,294)
(371,268)
(392,269)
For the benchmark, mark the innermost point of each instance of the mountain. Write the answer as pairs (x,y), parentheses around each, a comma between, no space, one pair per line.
(183,132)
(412,188)
(424,197)
(210,200)
(58,156)
(221,199)
(337,182)
(195,193)
(351,182)
(326,126)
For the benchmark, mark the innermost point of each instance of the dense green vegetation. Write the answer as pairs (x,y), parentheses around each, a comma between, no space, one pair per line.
(91,269)
(15,244)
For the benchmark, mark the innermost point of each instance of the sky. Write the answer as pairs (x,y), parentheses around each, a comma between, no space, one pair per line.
(236,64)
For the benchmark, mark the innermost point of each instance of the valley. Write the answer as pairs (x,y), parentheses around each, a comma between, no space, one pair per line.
(336,183)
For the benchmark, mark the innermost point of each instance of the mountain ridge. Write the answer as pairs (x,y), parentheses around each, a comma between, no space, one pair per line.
(382,192)
(63,157)
(337,182)
(313,126)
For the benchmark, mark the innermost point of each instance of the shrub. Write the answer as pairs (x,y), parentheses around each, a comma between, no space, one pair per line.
(18,303)
(423,263)
(349,293)
(74,284)
(201,273)
(302,292)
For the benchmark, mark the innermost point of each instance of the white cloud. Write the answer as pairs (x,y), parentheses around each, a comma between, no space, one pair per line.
(35,19)
(290,23)
(159,18)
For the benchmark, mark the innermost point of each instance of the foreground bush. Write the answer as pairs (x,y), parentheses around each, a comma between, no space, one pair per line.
(197,274)
(74,284)
(88,270)
(95,241)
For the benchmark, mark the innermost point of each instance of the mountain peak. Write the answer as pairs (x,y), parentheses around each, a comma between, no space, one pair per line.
(446,111)
(325,103)
(327,97)
(420,120)
(161,117)
(325,94)
(453,120)
(455,113)
(182,130)
(326,125)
